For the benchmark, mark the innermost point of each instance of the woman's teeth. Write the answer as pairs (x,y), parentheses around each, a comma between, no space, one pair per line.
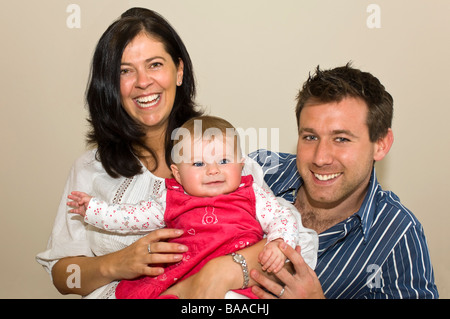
(326,177)
(148,101)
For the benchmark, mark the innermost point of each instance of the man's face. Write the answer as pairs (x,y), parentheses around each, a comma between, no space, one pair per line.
(334,153)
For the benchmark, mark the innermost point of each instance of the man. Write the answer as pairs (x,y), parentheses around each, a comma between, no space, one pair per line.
(370,245)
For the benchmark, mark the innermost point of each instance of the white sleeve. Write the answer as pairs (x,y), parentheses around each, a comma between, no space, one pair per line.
(68,237)
(280,219)
(276,221)
(142,217)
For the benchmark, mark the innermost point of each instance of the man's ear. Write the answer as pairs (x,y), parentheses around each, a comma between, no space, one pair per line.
(176,173)
(383,145)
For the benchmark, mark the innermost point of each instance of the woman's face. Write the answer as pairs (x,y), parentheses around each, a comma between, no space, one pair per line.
(148,81)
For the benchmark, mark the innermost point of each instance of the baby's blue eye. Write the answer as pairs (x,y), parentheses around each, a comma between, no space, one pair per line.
(224,161)
(198,164)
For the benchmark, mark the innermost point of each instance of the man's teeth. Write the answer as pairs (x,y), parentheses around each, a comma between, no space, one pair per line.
(326,177)
(148,101)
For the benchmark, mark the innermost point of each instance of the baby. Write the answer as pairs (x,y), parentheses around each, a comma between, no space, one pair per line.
(219,210)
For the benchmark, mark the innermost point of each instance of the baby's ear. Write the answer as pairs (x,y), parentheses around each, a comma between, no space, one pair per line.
(242,161)
(176,173)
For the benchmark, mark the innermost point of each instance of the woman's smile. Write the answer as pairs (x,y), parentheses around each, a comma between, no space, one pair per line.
(148,101)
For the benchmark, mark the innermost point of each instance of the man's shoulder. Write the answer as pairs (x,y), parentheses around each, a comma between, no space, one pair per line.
(274,162)
(280,172)
(391,211)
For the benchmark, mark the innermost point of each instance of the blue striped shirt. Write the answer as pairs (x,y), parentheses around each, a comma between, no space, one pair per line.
(379,252)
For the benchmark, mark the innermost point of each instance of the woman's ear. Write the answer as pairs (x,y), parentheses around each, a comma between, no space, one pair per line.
(180,72)
(383,145)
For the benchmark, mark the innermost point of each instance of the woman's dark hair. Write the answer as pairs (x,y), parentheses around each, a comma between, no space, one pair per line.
(115,134)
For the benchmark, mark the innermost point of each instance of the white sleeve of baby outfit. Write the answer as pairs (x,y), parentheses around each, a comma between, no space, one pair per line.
(280,219)
(142,217)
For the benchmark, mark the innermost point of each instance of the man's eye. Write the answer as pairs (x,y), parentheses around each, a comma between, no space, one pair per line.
(342,140)
(310,138)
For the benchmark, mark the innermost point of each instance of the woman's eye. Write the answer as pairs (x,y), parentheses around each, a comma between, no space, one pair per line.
(155,65)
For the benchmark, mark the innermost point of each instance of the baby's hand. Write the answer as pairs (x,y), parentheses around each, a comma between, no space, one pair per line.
(271,257)
(80,202)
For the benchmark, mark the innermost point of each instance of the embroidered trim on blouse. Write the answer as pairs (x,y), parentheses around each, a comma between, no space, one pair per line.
(121,190)
(157,187)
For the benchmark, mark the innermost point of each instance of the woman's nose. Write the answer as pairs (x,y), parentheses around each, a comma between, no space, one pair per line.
(143,79)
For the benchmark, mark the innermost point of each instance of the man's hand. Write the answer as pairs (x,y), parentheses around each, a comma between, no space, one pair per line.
(304,284)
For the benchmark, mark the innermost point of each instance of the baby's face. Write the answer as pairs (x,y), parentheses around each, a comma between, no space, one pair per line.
(212,168)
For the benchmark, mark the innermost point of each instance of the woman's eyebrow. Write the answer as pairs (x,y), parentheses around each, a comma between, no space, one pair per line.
(146,61)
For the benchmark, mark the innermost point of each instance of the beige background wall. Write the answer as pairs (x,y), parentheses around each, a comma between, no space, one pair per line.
(250,58)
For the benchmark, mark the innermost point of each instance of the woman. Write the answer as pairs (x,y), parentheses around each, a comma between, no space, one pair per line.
(141,88)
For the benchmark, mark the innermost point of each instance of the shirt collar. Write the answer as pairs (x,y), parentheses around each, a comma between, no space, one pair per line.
(367,210)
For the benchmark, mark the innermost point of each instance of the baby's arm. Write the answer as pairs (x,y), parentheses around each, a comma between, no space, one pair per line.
(279,224)
(80,202)
(121,218)
(271,258)
(280,219)
(142,217)
(277,221)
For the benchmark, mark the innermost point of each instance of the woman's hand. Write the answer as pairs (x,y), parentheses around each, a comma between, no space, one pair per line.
(144,257)
(128,263)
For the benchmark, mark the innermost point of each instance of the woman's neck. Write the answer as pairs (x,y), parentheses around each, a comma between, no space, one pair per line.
(155,140)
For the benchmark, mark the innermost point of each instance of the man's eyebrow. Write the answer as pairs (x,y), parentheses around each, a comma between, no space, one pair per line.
(333,132)
(345,132)
(308,130)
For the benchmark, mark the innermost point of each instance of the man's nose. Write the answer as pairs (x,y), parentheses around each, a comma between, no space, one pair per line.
(323,153)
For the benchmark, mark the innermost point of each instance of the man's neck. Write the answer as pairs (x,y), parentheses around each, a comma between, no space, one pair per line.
(321,218)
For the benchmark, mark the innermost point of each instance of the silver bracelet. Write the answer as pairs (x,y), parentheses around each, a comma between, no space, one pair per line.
(238,258)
